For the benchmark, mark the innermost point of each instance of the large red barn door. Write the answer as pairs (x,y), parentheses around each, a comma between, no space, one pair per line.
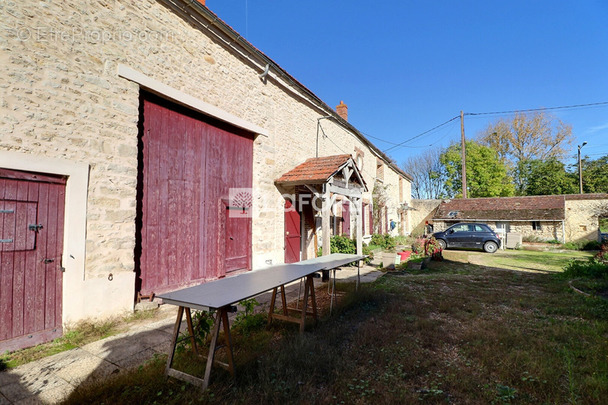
(188,164)
(292,233)
(31,245)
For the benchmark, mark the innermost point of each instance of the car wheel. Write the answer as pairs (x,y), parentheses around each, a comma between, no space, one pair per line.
(442,244)
(490,247)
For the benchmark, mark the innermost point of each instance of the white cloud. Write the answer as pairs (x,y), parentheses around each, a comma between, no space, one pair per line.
(597,128)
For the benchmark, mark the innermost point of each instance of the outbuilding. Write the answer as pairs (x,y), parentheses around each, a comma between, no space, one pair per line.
(140,152)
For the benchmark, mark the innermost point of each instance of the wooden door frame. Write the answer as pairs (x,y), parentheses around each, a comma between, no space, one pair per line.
(51,326)
(76,286)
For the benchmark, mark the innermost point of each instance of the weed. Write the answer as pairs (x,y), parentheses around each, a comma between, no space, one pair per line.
(505,394)
(246,322)
(202,321)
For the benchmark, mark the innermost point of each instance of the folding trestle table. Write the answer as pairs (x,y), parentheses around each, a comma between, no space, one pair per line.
(221,295)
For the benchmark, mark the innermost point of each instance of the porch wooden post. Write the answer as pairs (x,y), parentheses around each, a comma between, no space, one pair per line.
(325,226)
(359,225)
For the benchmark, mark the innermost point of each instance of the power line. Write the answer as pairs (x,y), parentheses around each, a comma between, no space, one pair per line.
(379,139)
(421,134)
(475,115)
(541,109)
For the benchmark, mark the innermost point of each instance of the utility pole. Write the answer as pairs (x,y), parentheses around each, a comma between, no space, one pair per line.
(580,169)
(464,154)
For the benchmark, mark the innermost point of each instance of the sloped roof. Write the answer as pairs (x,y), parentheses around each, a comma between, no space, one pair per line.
(590,196)
(314,170)
(532,208)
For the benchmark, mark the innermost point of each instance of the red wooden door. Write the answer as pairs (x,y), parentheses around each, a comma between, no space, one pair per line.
(188,164)
(31,245)
(237,240)
(292,233)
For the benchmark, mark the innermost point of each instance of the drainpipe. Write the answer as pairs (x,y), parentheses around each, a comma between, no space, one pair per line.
(563,231)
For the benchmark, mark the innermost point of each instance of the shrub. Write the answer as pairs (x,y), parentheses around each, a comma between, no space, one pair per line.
(342,244)
(427,247)
(602,255)
(588,269)
(532,238)
(582,245)
(386,242)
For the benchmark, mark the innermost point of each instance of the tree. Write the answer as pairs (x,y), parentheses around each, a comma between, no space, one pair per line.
(426,170)
(526,137)
(486,173)
(595,175)
(547,178)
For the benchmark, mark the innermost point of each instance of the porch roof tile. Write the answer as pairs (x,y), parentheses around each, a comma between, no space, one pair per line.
(314,170)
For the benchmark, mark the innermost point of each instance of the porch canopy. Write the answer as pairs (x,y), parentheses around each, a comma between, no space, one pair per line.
(324,176)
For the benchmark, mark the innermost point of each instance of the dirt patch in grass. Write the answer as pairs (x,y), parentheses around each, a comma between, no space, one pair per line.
(455,333)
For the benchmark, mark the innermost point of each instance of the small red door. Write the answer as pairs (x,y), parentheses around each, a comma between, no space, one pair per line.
(292,233)
(237,239)
(31,245)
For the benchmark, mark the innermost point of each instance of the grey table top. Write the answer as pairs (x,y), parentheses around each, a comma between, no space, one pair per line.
(226,291)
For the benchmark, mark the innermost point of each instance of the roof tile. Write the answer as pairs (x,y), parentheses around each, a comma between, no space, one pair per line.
(314,170)
(529,208)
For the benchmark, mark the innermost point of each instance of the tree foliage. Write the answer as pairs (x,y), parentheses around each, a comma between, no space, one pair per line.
(526,137)
(486,173)
(547,177)
(426,171)
(595,175)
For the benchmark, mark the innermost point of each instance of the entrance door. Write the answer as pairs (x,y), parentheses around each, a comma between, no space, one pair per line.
(237,238)
(292,233)
(31,245)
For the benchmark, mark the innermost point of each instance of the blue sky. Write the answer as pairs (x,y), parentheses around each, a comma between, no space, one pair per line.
(404,67)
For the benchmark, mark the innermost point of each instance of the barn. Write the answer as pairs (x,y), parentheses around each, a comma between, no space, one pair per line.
(147,146)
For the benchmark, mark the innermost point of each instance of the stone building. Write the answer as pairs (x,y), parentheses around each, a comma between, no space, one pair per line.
(126,128)
(566,218)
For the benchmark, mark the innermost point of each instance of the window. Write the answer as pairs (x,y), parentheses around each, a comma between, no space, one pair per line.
(536,226)
(461,228)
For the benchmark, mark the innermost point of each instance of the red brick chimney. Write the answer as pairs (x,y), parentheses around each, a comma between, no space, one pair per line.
(342,110)
(202,2)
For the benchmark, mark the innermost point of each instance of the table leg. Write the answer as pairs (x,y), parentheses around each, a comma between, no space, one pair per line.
(272,302)
(212,346)
(304,304)
(191,331)
(228,338)
(178,323)
(333,294)
(313,297)
(358,275)
(284,300)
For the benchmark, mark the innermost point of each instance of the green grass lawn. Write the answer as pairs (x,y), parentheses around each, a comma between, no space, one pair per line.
(458,332)
(523,260)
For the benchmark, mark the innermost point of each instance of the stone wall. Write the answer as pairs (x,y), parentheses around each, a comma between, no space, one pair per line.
(62,99)
(582,216)
(421,211)
(549,230)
